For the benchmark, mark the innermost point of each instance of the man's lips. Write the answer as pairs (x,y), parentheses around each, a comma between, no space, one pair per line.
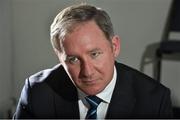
(90,81)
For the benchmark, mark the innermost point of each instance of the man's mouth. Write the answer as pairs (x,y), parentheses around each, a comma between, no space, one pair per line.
(90,81)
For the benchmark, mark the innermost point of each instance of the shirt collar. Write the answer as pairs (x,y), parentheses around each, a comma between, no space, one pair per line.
(106,94)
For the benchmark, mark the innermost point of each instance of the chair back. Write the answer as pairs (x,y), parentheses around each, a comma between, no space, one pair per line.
(173,20)
(175,16)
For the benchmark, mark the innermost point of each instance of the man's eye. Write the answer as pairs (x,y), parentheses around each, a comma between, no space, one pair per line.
(72,60)
(95,54)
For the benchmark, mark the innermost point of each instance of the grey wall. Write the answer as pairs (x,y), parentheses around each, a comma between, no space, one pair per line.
(25,47)
(5,56)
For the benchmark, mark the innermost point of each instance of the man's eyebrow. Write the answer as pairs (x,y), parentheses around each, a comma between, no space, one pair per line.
(96,49)
(71,55)
(90,51)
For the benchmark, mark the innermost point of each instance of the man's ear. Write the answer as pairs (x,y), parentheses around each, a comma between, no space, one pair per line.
(61,55)
(116,45)
(56,51)
(58,54)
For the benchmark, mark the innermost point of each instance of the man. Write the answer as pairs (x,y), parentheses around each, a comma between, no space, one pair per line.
(88,83)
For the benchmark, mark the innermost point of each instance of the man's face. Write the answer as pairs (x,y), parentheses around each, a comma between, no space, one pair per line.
(88,57)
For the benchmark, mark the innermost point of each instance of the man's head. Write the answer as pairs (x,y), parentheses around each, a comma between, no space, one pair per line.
(83,39)
(65,22)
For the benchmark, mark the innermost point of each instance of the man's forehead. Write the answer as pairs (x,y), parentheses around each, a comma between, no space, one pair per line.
(82,50)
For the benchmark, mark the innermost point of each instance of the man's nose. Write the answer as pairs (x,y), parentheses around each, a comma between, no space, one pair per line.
(87,69)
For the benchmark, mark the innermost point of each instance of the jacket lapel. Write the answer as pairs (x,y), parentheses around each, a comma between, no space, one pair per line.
(123,100)
(66,109)
(65,95)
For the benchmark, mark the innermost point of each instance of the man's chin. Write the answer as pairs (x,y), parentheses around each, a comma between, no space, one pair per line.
(92,91)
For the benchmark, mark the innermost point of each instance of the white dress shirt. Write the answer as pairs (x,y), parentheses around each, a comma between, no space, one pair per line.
(105,95)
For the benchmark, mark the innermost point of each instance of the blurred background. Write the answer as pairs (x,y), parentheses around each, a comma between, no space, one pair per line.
(25,46)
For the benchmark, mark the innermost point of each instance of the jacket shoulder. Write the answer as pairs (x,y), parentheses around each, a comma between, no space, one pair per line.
(139,79)
(43,75)
(150,97)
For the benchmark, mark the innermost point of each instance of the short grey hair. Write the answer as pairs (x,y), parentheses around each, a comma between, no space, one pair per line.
(68,18)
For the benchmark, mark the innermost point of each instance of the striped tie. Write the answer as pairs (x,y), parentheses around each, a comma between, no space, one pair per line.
(93,102)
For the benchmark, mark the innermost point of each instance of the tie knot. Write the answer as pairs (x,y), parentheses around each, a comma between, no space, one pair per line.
(93,101)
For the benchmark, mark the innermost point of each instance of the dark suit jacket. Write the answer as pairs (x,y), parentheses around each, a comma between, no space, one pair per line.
(51,94)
